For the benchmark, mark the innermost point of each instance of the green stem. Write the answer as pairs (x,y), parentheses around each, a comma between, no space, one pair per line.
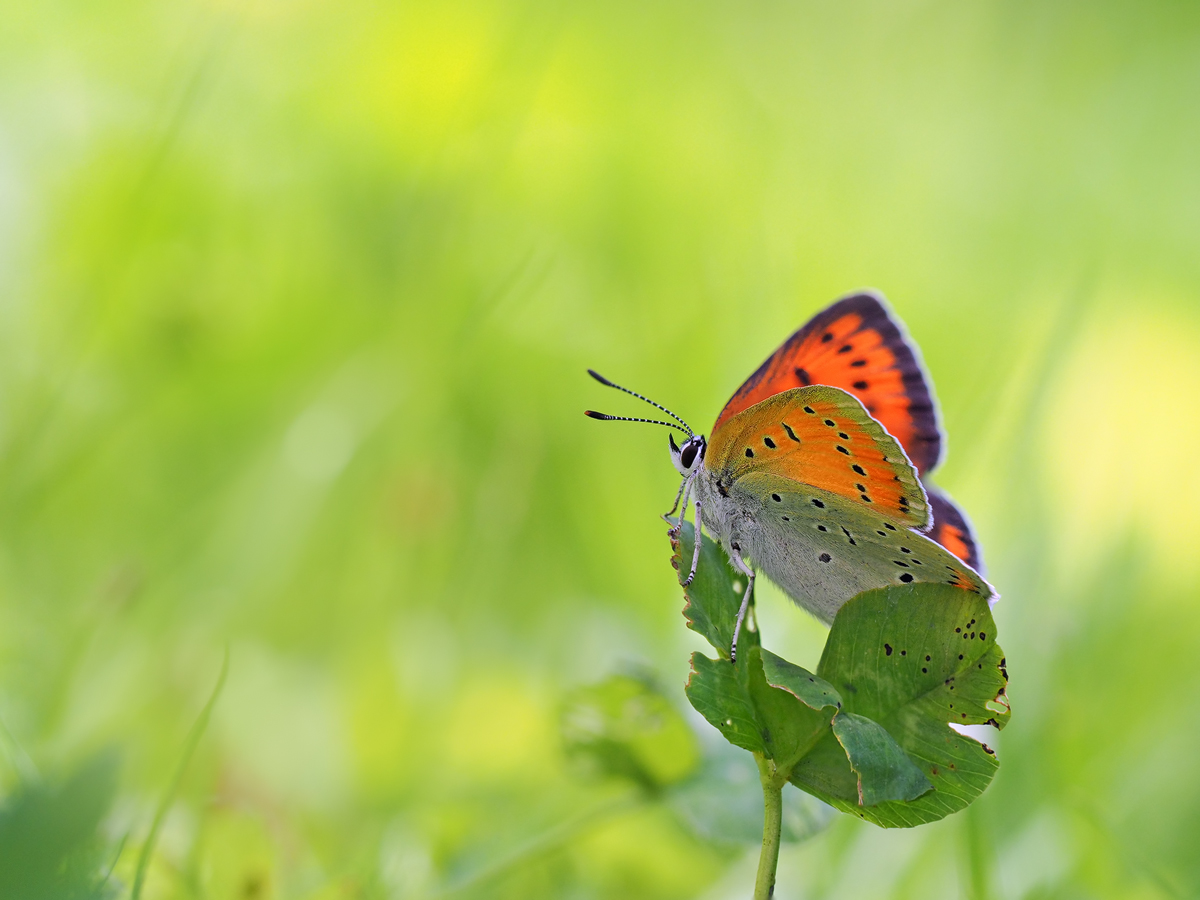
(189,747)
(768,861)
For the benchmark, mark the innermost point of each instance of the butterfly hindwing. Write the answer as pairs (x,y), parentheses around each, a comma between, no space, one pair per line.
(952,530)
(820,436)
(822,554)
(859,346)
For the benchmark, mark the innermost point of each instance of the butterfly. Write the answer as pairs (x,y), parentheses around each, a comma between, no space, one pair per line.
(815,472)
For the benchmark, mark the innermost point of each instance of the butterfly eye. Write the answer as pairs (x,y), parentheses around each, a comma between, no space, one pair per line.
(689,454)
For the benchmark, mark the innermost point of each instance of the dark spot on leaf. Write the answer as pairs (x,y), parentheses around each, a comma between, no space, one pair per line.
(924,670)
(887,648)
(904,653)
(982,636)
(958,631)
(926,657)
(824,557)
(960,656)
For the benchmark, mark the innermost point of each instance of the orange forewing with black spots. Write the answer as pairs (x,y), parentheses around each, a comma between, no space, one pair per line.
(858,346)
(821,436)
(952,530)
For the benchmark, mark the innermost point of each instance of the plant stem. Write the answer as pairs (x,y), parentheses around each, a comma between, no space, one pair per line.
(189,747)
(772,785)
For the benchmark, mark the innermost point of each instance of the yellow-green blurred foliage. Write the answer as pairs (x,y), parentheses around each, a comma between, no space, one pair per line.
(296,300)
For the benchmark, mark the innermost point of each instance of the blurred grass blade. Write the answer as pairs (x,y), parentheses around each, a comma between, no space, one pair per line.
(189,748)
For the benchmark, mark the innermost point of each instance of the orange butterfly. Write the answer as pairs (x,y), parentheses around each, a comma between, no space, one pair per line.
(815,465)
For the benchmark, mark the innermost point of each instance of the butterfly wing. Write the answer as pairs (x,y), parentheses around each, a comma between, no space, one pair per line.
(822,548)
(822,437)
(952,530)
(859,346)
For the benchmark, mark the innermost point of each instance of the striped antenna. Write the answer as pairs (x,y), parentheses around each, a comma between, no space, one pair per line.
(687,429)
(607,418)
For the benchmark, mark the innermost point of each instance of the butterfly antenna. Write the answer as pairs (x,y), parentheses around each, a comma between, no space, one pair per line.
(687,429)
(607,418)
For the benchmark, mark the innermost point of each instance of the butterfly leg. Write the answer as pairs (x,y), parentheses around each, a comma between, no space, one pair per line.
(685,490)
(697,540)
(735,556)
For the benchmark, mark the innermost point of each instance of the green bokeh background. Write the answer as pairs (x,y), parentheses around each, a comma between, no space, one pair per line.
(296,300)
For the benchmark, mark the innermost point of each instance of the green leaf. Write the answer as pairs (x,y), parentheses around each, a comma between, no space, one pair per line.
(50,845)
(723,803)
(781,722)
(813,692)
(738,702)
(884,770)
(623,726)
(913,659)
(721,693)
(714,596)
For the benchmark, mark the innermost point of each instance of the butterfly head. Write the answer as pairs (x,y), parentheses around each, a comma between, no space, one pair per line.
(687,458)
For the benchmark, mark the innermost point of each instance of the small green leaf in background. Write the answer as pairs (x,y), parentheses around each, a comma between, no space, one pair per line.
(722,803)
(49,846)
(624,727)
